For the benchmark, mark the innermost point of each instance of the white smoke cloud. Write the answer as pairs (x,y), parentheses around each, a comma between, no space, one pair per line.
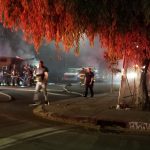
(12,44)
(5,50)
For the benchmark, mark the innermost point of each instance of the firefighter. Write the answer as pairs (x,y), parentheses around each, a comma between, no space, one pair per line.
(27,75)
(41,83)
(82,76)
(14,75)
(89,82)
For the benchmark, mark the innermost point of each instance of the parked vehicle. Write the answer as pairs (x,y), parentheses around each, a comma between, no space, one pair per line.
(74,74)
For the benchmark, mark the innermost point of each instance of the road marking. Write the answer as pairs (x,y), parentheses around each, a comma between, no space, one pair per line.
(6,95)
(25,89)
(72,92)
(32,90)
(30,135)
(50,93)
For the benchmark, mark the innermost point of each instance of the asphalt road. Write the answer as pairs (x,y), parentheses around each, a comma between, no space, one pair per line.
(21,130)
(99,87)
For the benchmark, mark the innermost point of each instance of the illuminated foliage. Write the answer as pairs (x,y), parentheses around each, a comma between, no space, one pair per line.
(122,25)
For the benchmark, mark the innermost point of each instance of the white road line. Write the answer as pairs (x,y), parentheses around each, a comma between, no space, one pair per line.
(50,93)
(30,135)
(9,97)
(55,90)
(28,90)
(32,90)
(49,90)
(72,92)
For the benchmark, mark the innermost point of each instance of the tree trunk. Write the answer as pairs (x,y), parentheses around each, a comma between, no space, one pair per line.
(137,87)
(123,83)
(112,82)
(122,88)
(143,98)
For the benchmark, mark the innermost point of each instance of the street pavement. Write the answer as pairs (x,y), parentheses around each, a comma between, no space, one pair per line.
(98,112)
(20,129)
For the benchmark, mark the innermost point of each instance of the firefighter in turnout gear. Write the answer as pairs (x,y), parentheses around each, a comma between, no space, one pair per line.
(89,82)
(82,76)
(41,74)
(14,75)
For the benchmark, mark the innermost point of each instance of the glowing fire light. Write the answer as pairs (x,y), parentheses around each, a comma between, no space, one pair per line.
(132,75)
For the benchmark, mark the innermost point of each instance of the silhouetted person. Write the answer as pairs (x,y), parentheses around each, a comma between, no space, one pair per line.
(89,82)
(143,82)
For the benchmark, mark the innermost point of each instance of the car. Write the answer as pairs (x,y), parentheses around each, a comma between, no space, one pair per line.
(75,74)
(72,74)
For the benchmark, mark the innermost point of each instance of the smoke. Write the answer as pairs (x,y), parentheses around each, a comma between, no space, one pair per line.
(12,44)
(58,61)
(91,56)
(5,50)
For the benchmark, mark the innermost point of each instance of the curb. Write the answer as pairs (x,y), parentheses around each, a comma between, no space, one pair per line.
(103,125)
(75,120)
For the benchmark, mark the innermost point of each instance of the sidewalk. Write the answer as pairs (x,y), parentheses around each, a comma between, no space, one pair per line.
(98,113)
